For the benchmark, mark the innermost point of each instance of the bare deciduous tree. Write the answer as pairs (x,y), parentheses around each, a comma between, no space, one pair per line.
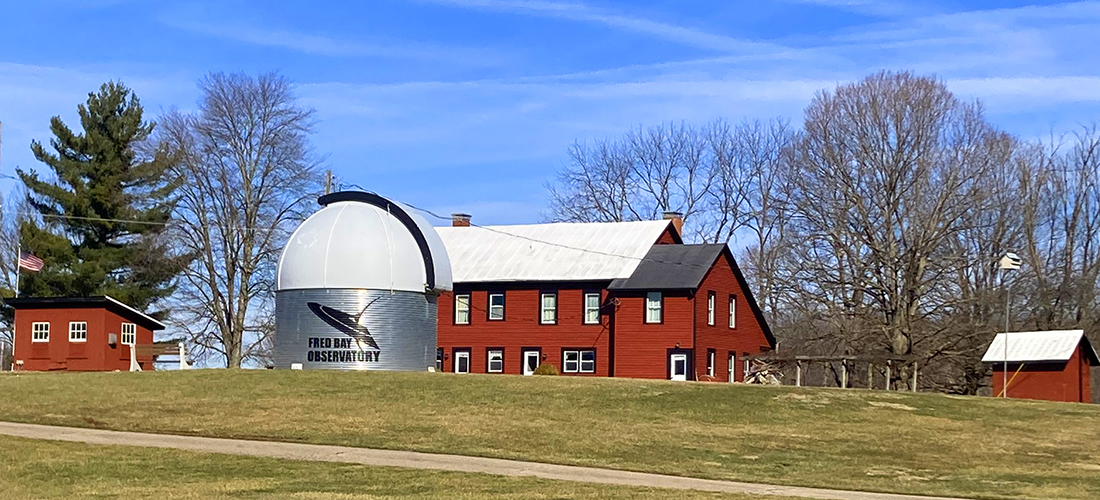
(636,178)
(875,229)
(250,174)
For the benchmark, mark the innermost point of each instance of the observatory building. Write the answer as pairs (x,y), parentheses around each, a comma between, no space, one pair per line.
(357,287)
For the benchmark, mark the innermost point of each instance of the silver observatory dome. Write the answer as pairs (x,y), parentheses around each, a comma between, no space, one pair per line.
(356,287)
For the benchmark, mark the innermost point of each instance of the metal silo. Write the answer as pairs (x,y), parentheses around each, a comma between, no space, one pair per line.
(357,285)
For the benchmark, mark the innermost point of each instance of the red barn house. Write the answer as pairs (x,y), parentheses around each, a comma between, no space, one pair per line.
(79,334)
(1052,365)
(621,299)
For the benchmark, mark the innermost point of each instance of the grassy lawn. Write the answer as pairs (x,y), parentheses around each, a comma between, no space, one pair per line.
(55,470)
(881,441)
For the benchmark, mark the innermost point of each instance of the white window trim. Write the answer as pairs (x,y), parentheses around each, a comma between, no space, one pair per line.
(746,367)
(132,333)
(71,331)
(462,354)
(489,361)
(458,300)
(711,360)
(733,367)
(579,353)
(710,308)
(581,360)
(659,309)
(733,312)
(543,310)
(36,323)
(588,309)
(565,362)
(491,306)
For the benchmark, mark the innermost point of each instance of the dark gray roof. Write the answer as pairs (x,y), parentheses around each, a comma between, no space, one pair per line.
(671,267)
(683,267)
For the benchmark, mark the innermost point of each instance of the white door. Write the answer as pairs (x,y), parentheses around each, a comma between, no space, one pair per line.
(530,362)
(733,364)
(678,367)
(462,362)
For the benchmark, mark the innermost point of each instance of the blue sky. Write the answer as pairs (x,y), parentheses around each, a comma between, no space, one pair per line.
(470,105)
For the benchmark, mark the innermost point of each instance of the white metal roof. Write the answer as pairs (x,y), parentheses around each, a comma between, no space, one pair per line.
(1051,345)
(562,251)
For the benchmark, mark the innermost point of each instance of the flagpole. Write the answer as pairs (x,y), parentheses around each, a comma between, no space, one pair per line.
(18,257)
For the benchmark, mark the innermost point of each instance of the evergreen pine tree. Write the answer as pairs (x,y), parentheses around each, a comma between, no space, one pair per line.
(104,216)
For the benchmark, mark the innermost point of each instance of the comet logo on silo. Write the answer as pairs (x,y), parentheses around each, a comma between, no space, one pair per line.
(347,324)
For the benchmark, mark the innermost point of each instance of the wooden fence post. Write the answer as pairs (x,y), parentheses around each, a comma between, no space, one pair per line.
(843,374)
(889,365)
(914,376)
(870,375)
(798,374)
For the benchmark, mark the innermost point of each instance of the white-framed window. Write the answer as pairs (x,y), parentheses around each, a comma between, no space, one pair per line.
(462,309)
(710,363)
(496,360)
(579,361)
(588,361)
(78,331)
(462,361)
(40,332)
(496,306)
(733,311)
(549,308)
(129,333)
(592,308)
(710,308)
(746,368)
(653,307)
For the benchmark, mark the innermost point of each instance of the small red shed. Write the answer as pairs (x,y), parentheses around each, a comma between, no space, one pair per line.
(79,334)
(1050,365)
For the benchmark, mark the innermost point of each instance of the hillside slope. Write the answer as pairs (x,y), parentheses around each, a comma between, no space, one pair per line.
(856,439)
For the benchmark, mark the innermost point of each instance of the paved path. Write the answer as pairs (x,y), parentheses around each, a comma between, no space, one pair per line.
(415,460)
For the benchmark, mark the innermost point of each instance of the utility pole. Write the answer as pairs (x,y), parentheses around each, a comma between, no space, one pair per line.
(1010,262)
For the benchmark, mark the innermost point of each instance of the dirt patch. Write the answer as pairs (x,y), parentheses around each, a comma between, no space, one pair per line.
(811,400)
(901,473)
(895,406)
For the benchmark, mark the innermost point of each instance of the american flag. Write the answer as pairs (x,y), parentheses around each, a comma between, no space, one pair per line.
(29,262)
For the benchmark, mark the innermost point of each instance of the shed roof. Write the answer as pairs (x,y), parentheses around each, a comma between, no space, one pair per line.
(105,301)
(561,251)
(1043,346)
(671,267)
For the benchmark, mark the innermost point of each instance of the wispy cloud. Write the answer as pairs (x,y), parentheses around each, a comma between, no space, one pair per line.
(581,12)
(880,8)
(336,47)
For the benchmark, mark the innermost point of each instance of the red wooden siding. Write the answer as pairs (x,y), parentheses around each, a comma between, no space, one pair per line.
(641,349)
(1068,381)
(95,354)
(521,327)
(746,338)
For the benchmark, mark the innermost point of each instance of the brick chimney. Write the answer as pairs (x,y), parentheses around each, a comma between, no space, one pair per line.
(460,220)
(677,219)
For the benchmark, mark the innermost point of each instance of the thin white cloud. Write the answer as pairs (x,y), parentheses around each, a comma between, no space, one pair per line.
(335,47)
(580,12)
(868,7)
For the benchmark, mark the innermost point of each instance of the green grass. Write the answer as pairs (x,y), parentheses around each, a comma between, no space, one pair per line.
(856,439)
(56,470)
